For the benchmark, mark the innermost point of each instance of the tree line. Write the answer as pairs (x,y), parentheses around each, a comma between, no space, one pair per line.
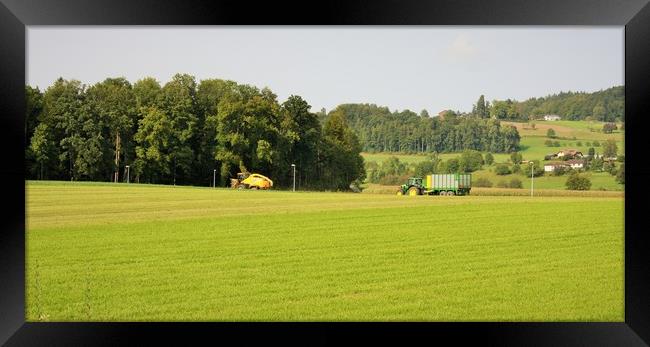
(381,130)
(180,132)
(606,105)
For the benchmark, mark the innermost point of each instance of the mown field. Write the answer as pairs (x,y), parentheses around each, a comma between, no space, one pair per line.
(107,252)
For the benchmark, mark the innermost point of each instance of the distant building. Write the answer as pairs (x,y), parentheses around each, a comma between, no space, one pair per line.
(550,167)
(552,117)
(576,164)
(569,153)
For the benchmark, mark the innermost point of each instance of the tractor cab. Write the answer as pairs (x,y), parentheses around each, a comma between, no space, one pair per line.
(415,181)
(242,175)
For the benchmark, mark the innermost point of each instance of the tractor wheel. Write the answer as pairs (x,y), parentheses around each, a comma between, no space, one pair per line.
(241,186)
(254,188)
(413,191)
(400,192)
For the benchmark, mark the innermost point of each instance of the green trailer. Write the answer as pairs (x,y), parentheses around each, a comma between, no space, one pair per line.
(437,184)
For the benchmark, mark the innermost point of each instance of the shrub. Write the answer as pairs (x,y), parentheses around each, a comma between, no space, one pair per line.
(578,182)
(559,170)
(550,133)
(609,127)
(502,184)
(588,144)
(556,143)
(596,144)
(516,168)
(610,167)
(596,164)
(452,165)
(579,143)
(620,175)
(548,143)
(515,183)
(425,168)
(470,161)
(489,159)
(516,157)
(502,169)
(482,182)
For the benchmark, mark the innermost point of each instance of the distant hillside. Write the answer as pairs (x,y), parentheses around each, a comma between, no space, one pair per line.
(606,105)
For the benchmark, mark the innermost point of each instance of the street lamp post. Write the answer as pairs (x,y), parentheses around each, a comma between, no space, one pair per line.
(127,174)
(294,176)
(214,178)
(532,179)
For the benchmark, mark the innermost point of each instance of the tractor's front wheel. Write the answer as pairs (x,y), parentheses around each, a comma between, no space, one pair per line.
(400,192)
(254,188)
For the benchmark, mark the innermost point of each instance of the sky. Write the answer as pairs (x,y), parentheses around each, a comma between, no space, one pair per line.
(410,67)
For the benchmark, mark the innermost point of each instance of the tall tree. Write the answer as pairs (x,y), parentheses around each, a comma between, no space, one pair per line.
(33,111)
(300,134)
(178,101)
(63,110)
(153,151)
(114,102)
(610,148)
(480,108)
(342,161)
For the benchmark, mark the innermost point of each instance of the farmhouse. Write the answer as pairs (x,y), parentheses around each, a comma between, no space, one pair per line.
(550,167)
(569,153)
(576,164)
(552,117)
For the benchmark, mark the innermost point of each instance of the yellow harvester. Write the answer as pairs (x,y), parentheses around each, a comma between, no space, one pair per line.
(245,180)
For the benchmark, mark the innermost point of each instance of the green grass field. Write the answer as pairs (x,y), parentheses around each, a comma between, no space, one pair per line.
(107,252)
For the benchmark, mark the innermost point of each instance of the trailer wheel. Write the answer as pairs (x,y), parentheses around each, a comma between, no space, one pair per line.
(451,193)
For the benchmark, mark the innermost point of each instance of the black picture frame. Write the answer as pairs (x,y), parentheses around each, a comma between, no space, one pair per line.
(15,15)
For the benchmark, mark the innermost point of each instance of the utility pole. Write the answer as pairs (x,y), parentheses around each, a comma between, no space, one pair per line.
(128,172)
(294,176)
(214,178)
(532,179)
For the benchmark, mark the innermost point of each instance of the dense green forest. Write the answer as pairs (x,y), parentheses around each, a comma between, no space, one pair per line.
(380,130)
(606,105)
(178,133)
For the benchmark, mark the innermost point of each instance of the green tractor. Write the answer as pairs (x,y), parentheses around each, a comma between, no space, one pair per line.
(437,184)
(412,187)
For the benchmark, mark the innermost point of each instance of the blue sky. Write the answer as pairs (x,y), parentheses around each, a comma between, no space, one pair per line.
(423,67)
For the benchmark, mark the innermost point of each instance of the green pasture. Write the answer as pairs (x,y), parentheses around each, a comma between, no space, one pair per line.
(117,252)
(599,180)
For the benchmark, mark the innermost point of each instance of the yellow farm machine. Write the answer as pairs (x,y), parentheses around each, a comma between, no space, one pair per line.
(254,181)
